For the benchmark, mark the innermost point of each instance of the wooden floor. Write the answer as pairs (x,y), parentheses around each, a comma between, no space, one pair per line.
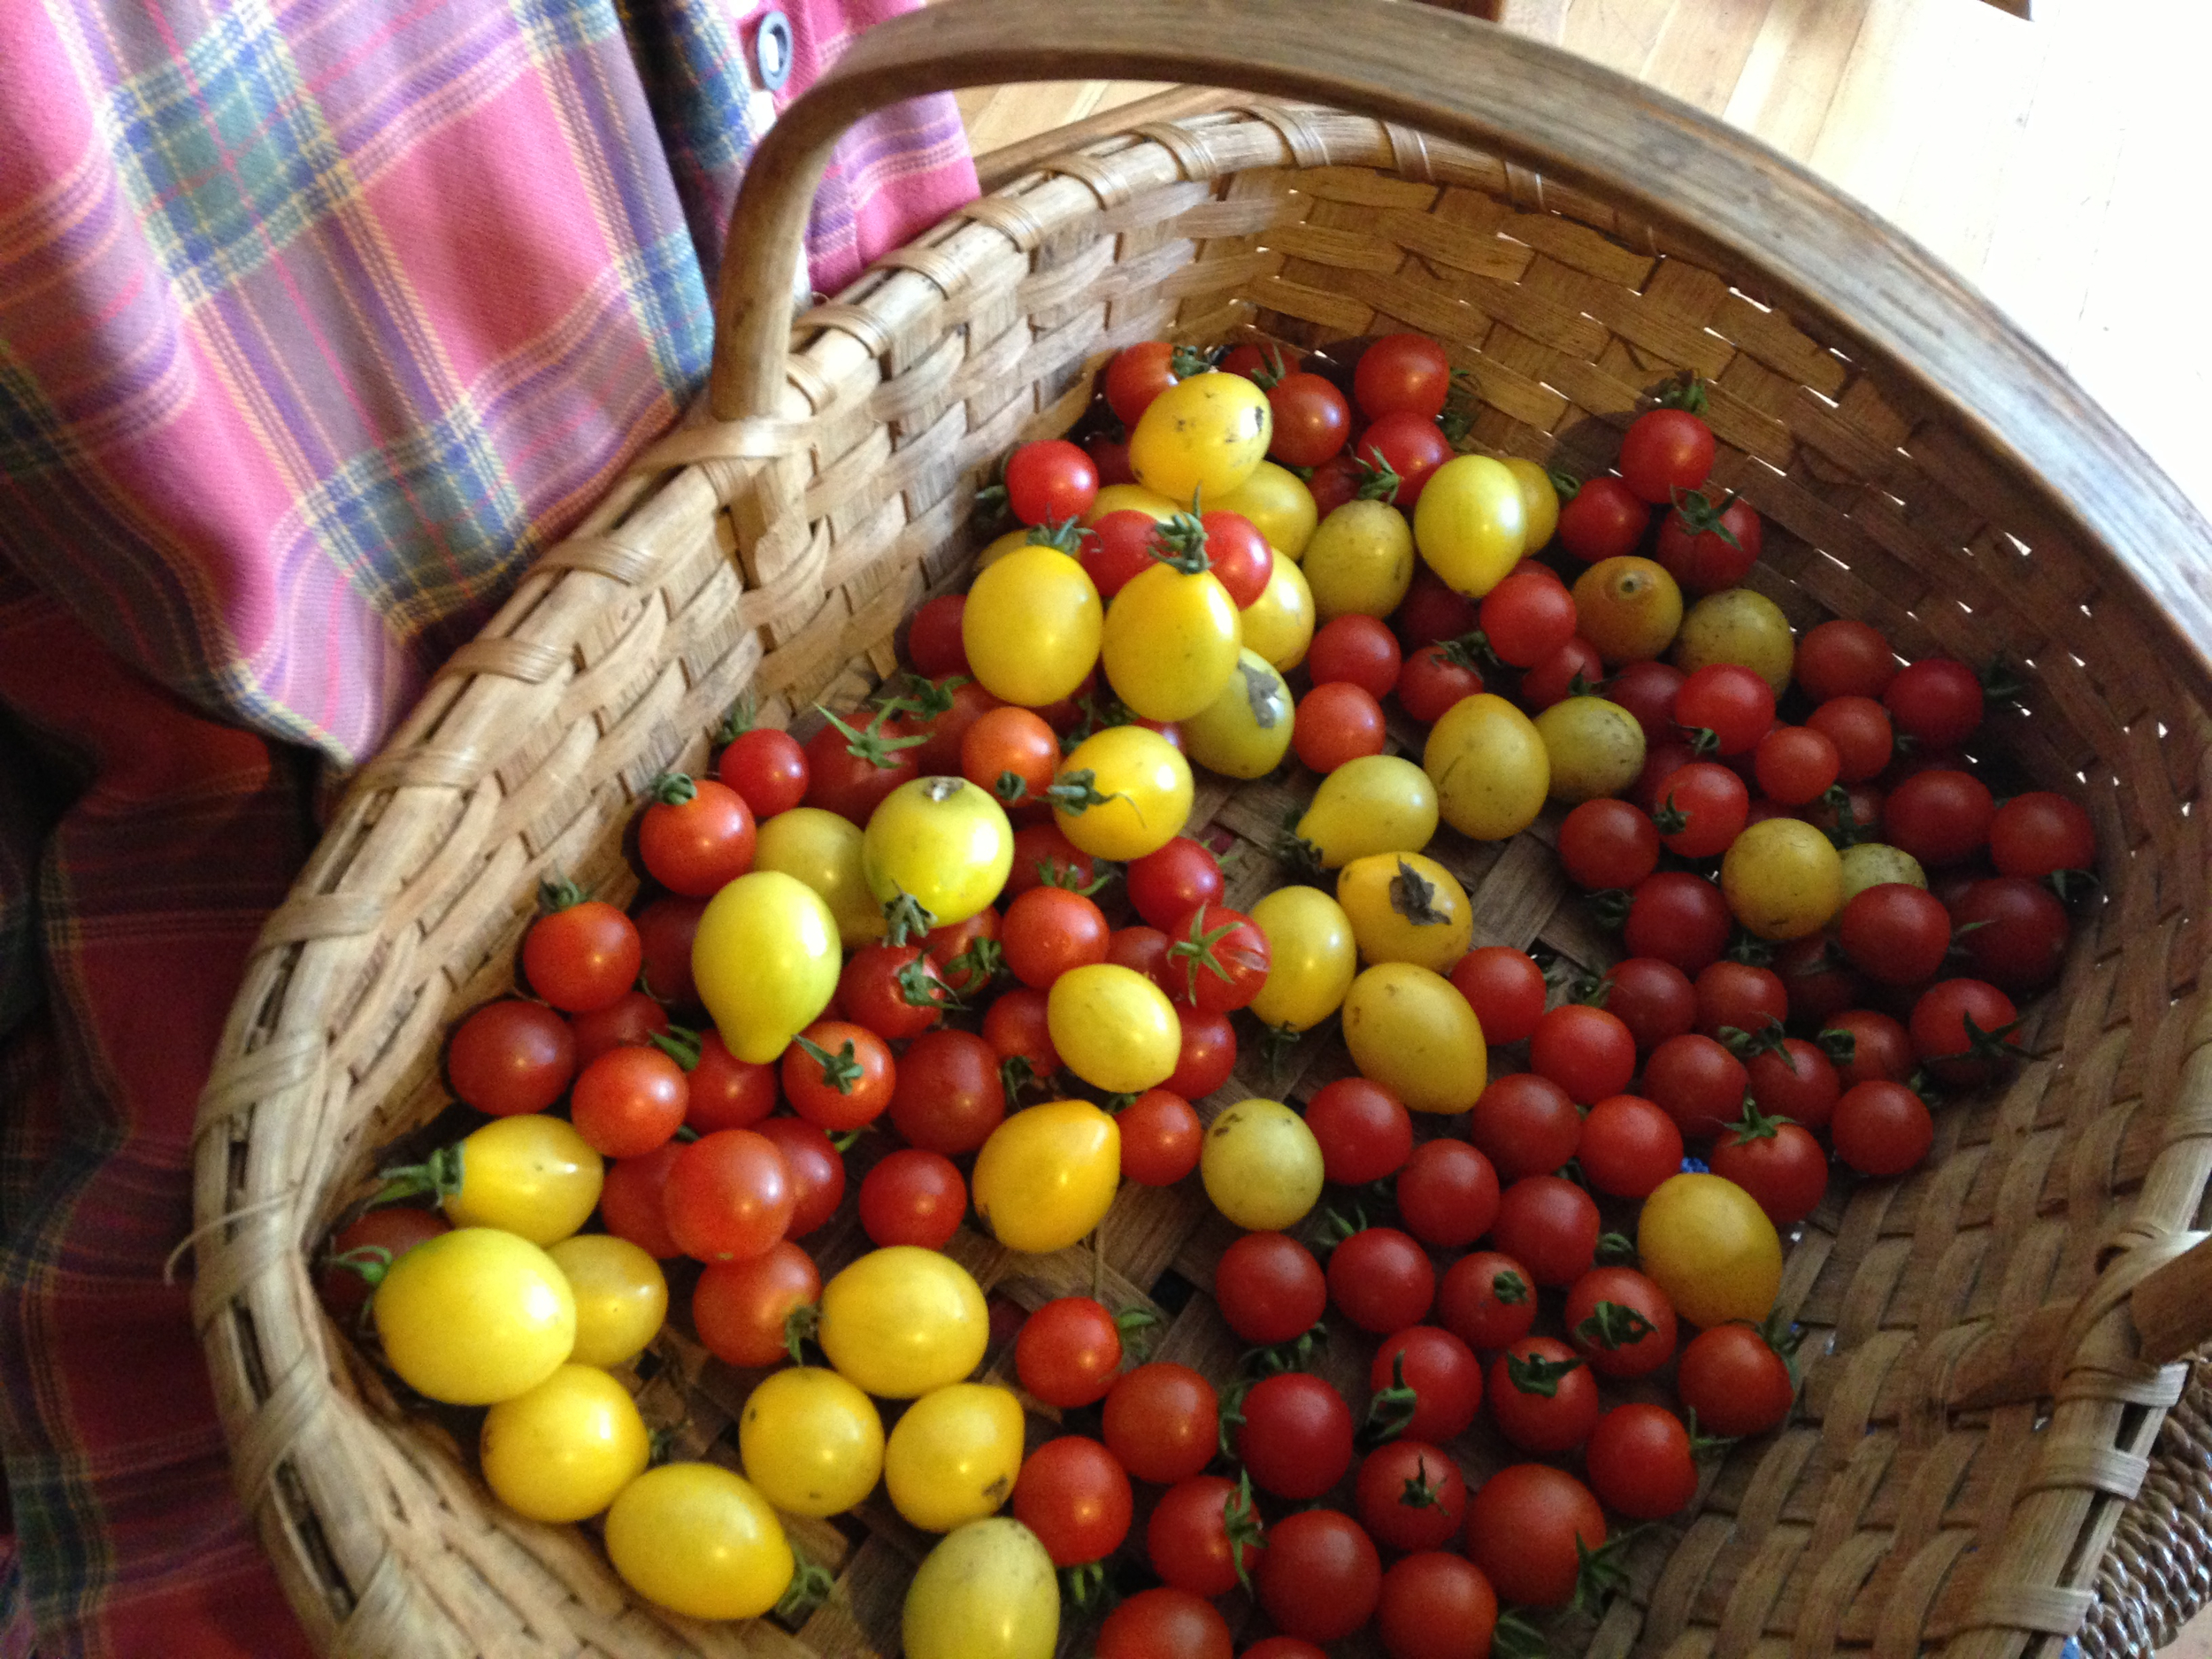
(2060,163)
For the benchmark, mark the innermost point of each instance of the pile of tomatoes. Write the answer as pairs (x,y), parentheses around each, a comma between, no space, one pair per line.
(963,936)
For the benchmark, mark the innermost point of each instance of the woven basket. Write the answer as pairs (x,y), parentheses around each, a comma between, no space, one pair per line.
(1989,1339)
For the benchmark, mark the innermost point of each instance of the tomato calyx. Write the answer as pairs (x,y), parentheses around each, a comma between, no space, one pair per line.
(1197,952)
(1378,480)
(1276,1042)
(1612,1326)
(557,893)
(1703,742)
(1180,544)
(1515,1636)
(1610,906)
(1015,1074)
(1087,1588)
(681,1044)
(1074,793)
(1241,1524)
(1987,1045)
(1685,392)
(919,987)
(1419,1491)
(870,744)
(370,1262)
(1064,535)
(1745,1044)
(840,1071)
(1393,1409)
(1848,832)
(1669,819)
(1271,369)
(2068,885)
(810,1587)
(1616,1249)
(1841,1046)
(1277,1357)
(739,718)
(1534,1374)
(1564,483)
(674,788)
(906,918)
(1508,1287)
(975,967)
(1135,1326)
(1703,1446)
(437,1176)
(1748,949)
(1185,361)
(1601,1574)
(1699,516)
(803,1324)
(1413,895)
(1830,960)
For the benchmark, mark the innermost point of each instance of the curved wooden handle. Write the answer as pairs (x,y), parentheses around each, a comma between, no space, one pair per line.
(1823,254)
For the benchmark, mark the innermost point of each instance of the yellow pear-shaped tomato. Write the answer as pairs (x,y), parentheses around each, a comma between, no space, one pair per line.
(1870,863)
(1629,608)
(1031,626)
(474,1317)
(1202,438)
(621,1296)
(936,851)
(1131,498)
(1279,625)
(988,1591)
(1378,804)
(1471,523)
(1170,642)
(534,1175)
(901,1321)
(1360,560)
(1742,626)
(701,1541)
(1245,732)
(1261,1165)
(563,1451)
(1406,908)
(1047,1176)
(1540,502)
(955,1455)
(1706,1242)
(1412,1031)
(767,955)
(1312,957)
(1113,1027)
(1782,877)
(1490,767)
(1277,501)
(810,1441)
(1595,747)
(1141,793)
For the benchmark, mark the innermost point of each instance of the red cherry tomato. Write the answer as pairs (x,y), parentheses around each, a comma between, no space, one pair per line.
(1402,372)
(1138,374)
(1602,519)
(628,1102)
(1640,1461)
(1729,700)
(1118,549)
(1207,1056)
(1607,843)
(1162,1421)
(1896,933)
(1270,1289)
(1701,810)
(1364,1132)
(1706,546)
(729,1196)
(1410,1495)
(1311,419)
(769,768)
(1678,918)
(1336,723)
(363,1251)
(1858,728)
(1936,700)
(2014,932)
(1167,885)
(1867,1046)
(1442,1375)
(1241,559)
(1357,650)
(631,1021)
(696,837)
(1586,1051)
(1049,480)
(1043,857)
(1543,1395)
(1320,1577)
(1201,1531)
(1940,816)
(1407,446)
(1629,1146)
(1296,1437)
(1733,1379)
(1742,995)
(665,929)
(1793,1079)
(1381,1279)
(1049,930)
(1697,1083)
(1448,1194)
(582,956)
(947,1096)
(1069,1352)
(817,1173)
(1434,678)
(630,1200)
(2034,834)
(1160,1138)
(1795,764)
(1525,1124)
(740,1307)
(1017,1028)
(1436,1605)
(893,990)
(1576,663)
(1778,1161)
(1528,1528)
(1653,999)
(1430,612)
(1663,451)
(933,642)
(1881,1128)
(1164,1622)
(1647,690)
(1527,617)
(1218,960)
(1075,1498)
(1842,658)
(913,1197)
(1487,1300)
(511,1057)
(967,953)
(1550,1223)
(1818,977)
(1506,989)
(839,1075)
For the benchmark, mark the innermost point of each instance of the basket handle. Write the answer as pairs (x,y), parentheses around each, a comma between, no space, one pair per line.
(1459,78)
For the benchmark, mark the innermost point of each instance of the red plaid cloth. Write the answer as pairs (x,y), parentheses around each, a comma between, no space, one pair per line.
(271,446)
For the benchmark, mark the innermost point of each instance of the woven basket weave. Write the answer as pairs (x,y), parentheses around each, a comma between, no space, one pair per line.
(1984,1376)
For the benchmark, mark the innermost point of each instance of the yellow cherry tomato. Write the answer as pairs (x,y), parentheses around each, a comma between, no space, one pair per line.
(955,1455)
(474,1317)
(1359,559)
(1245,732)
(1031,626)
(1276,500)
(621,1296)
(1048,1175)
(1261,1165)
(1378,804)
(1595,747)
(829,853)
(1279,625)
(1312,957)
(1871,863)
(1202,438)
(1629,608)
(1113,1027)
(936,851)
(1490,765)
(533,1176)
(769,947)
(1000,547)
(701,1541)
(1170,642)
(1540,502)
(1742,626)
(1410,1030)
(1782,879)
(988,1591)
(563,1451)
(1131,498)
(1142,788)
(901,1321)
(810,1441)
(1406,908)
(1707,1243)
(1471,522)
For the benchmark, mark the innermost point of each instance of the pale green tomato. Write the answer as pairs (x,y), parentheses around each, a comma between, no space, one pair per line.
(1742,626)
(621,1296)
(701,1541)
(1471,522)
(1378,804)
(1202,438)
(1147,787)
(955,1455)
(1540,502)
(1311,957)
(1261,1165)
(1276,500)
(1491,768)
(1782,879)
(1170,642)
(1279,625)
(533,1176)
(1113,1027)
(563,1451)
(1406,908)
(474,1317)
(1245,732)
(901,1321)
(1359,561)
(988,1591)
(1596,748)
(1411,1031)
(935,852)
(768,951)
(1048,1175)
(810,1441)
(1871,863)
(1031,626)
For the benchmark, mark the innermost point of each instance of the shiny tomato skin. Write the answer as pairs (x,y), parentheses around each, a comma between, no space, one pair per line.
(1896,933)
(1336,723)
(729,1196)
(913,1197)
(1734,1380)
(630,1021)
(1312,418)
(1880,1048)
(1524,1524)
(1795,764)
(1164,1622)
(2014,932)
(948,1097)
(1218,960)
(1527,617)
(1402,372)
(1448,1194)
(1160,1138)
(360,1252)
(1076,1498)
(582,957)
(1358,650)
(1629,1147)
(1364,1132)
(511,1057)
(739,1307)
(1487,1300)
(1796,1081)
(1550,1416)
(1506,989)
(1410,1495)
(1270,1289)
(1881,1128)
(1163,1421)
(895,991)
(1432,681)
(1653,999)
(1049,480)
(1859,730)
(1443,1373)
(1167,885)
(1381,1279)
(1940,816)
(849,783)
(629,1101)
(1665,450)
(1069,1352)
(1049,930)
(1321,1577)
(1818,976)
(1296,1437)
(698,845)
(1608,843)
(1551,1225)
(768,767)
(850,1089)
(1785,1172)
(1017,1026)
(1842,658)
(1740,995)
(631,1202)
(1043,850)
(1678,917)
(1639,1463)
(1436,1605)
(1586,1051)
(1207,1056)
(1553,680)
(1936,700)
(1430,612)
(1526,1124)
(1410,445)
(1603,520)
(2037,833)
(1697,1082)
(1136,376)
(817,1173)
(933,640)
(1705,561)
(1188,1538)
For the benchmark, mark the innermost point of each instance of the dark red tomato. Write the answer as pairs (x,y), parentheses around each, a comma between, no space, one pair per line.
(1527,617)
(511,1057)
(630,1200)
(1586,1050)
(2036,833)
(1629,1146)
(1109,454)
(1167,885)
(1045,858)
(1603,520)
(583,956)
(1312,418)
(946,727)
(1703,810)
(853,763)
(1218,960)
(1647,690)
(1283,1647)
(1448,1194)
(1138,374)
(1665,450)
(1707,547)
(741,1309)
(665,929)
(1241,559)
(1296,1437)
(1653,999)
(696,837)
(769,768)
(1937,701)
(1735,1382)
(1696,1082)
(1164,1624)
(934,643)
(1528,1528)
(1381,1279)
(2014,932)
(1075,1498)
(1662,760)
(1118,549)
(1621,1322)
(1069,1352)
(1678,918)
(1774,1160)
(630,1021)
(1818,976)
(948,1097)
(1363,1130)
(1556,678)
(1140,949)
(1436,1605)
(1203,1530)
(1794,1079)
(1049,930)
(1163,1421)
(1207,1056)
(1270,1289)
(1940,817)
(893,990)
(1844,659)
(913,1197)
(730,1195)
(1859,729)
(1261,362)
(1896,933)
(1335,481)
(1356,650)
(1795,764)
(1321,1577)
(816,1171)
(1740,996)
(1402,372)
(363,1251)
(1410,1495)
(839,1075)
(1525,1124)
(1607,843)
(1433,678)
(1506,989)
(1487,1300)
(967,953)
(1430,613)
(1543,1396)
(1729,700)
(1442,1374)
(1017,1027)
(1161,1137)
(1640,1463)
(1881,1128)
(1049,480)
(1404,445)
(1551,1225)
(1867,1046)
(1336,723)
(628,1102)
